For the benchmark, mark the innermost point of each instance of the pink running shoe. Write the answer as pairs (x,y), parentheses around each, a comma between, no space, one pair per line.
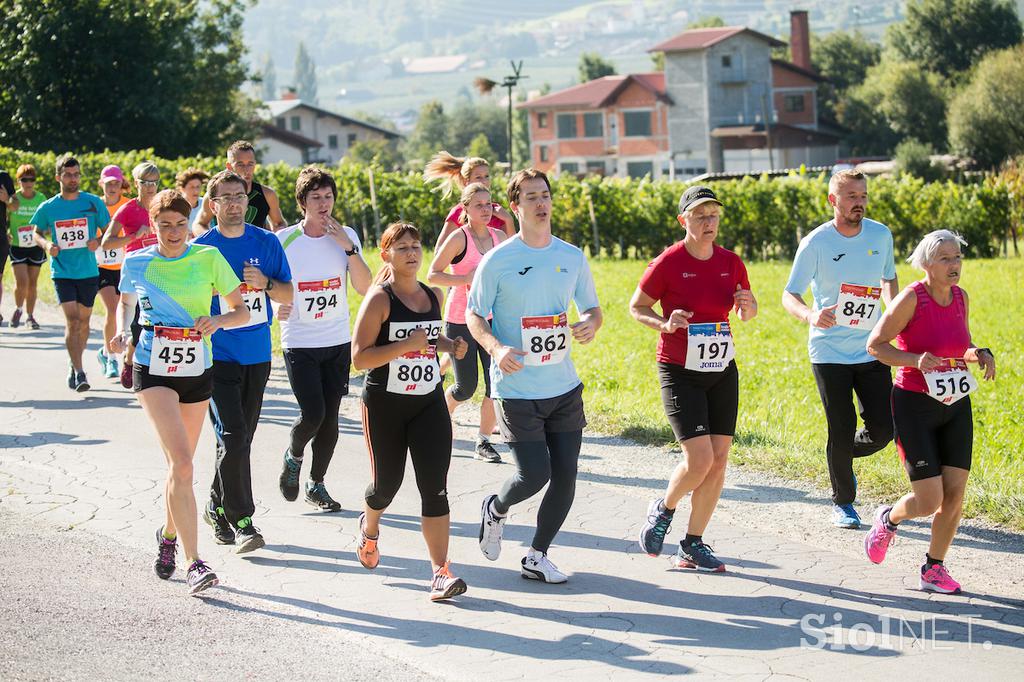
(878,539)
(937,579)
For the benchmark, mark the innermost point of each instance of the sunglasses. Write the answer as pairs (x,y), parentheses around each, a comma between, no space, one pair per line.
(26,179)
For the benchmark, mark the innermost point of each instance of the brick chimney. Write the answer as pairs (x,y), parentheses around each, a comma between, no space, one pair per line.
(289,93)
(800,39)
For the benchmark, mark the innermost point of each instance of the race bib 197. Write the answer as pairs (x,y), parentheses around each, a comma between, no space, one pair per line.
(255,300)
(859,307)
(320,300)
(27,236)
(709,347)
(546,339)
(950,382)
(177,352)
(72,233)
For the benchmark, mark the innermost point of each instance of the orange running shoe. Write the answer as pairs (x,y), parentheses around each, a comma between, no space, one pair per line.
(367,552)
(445,585)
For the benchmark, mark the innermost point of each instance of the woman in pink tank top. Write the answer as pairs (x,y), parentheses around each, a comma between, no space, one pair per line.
(931,404)
(461,252)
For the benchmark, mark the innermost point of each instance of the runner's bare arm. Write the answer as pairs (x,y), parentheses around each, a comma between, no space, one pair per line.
(795,306)
(507,357)
(275,219)
(890,289)
(281,292)
(371,316)
(202,224)
(510,223)
(446,230)
(236,317)
(986,360)
(45,244)
(894,320)
(113,237)
(443,258)
(590,322)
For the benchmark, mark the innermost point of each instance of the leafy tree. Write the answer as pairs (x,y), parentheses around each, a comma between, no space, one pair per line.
(305,75)
(431,134)
(915,158)
(844,59)
(480,146)
(896,100)
(381,153)
(268,76)
(984,118)
(161,73)
(707,22)
(592,65)
(950,36)
(658,61)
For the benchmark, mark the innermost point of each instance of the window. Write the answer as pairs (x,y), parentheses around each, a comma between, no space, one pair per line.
(351,139)
(727,61)
(595,167)
(569,167)
(593,125)
(637,123)
(793,103)
(542,119)
(543,151)
(332,141)
(296,123)
(638,169)
(281,123)
(566,126)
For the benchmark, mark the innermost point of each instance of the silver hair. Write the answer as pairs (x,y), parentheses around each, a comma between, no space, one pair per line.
(924,253)
(143,169)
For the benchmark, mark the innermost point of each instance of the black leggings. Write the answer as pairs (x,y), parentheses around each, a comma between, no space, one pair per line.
(420,425)
(466,376)
(319,379)
(554,459)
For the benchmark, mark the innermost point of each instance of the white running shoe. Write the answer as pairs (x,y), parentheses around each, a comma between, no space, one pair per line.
(491,528)
(539,567)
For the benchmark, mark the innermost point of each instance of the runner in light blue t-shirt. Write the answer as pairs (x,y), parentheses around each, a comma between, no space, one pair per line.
(527,283)
(848,264)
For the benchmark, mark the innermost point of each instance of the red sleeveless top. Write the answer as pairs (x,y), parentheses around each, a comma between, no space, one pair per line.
(936,329)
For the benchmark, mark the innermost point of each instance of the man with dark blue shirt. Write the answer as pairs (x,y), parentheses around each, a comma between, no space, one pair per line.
(241,358)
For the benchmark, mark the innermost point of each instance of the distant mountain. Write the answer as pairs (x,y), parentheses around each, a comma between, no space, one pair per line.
(366,51)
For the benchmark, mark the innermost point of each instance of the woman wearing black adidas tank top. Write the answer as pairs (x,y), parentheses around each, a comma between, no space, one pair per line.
(397,337)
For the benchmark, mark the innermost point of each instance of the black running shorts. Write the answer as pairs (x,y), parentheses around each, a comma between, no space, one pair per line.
(700,403)
(930,435)
(189,389)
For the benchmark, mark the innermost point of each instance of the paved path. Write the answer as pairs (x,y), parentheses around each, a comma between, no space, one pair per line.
(88,463)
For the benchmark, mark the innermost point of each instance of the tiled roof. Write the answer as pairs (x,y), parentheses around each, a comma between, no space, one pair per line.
(278,107)
(703,38)
(601,92)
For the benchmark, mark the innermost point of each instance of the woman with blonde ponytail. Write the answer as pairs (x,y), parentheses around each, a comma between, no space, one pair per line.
(455,173)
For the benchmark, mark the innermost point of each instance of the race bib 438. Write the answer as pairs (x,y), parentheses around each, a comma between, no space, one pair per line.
(72,233)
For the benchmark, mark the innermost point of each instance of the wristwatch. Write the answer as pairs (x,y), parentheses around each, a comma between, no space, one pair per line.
(985,350)
(270,284)
(354,251)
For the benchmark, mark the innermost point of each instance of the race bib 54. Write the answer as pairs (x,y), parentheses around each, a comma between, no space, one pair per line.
(255,300)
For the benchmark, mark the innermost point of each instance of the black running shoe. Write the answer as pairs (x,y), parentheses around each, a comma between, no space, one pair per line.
(289,481)
(223,534)
(72,378)
(200,577)
(485,452)
(317,495)
(82,384)
(659,522)
(166,549)
(698,556)
(248,536)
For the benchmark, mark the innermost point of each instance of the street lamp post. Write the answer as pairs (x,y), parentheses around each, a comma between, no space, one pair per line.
(486,85)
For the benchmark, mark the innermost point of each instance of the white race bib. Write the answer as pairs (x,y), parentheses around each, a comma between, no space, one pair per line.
(320,300)
(859,306)
(138,244)
(177,352)
(709,347)
(415,373)
(255,300)
(951,382)
(108,258)
(27,236)
(546,339)
(72,233)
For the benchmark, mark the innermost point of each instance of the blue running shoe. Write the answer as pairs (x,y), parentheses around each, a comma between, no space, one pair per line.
(659,522)
(845,516)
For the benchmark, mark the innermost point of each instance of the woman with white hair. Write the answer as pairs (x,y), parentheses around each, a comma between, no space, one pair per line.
(931,401)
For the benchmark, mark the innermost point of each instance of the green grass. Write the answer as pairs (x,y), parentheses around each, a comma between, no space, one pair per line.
(781,425)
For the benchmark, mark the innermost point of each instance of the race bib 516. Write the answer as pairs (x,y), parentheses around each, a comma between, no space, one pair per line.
(177,352)
(859,307)
(546,339)
(709,347)
(950,382)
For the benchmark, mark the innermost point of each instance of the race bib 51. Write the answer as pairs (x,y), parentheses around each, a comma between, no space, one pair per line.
(709,347)
(950,382)
(177,352)
(546,339)
(27,236)
(859,306)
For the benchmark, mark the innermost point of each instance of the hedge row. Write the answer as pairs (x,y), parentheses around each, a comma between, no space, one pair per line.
(763,218)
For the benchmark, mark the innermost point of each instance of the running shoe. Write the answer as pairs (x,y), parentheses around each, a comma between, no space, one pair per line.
(166,549)
(878,539)
(82,384)
(317,495)
(248,536)
(223,534)
(445,585)
(101,357)
(539,567)
(485,452)
(289,481)
(126,375)
(72,377)
(937,579)
(698,556)
(200,577)
(112,369)
(652,535)
(367,552)
(31,321)
(845,516)
(491,528)
(16,318)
